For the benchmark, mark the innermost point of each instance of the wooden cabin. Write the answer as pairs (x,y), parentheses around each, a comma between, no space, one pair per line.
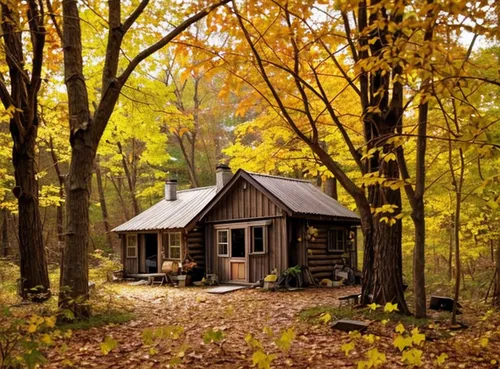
(258,223)
(241,229)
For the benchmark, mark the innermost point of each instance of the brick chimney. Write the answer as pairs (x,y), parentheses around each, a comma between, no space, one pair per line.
(171,190)
(222,175)
(331,187)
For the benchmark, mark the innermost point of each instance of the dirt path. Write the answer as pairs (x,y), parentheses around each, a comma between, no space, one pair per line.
(236,314)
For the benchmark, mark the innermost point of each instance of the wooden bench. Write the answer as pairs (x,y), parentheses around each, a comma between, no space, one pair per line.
(157,279)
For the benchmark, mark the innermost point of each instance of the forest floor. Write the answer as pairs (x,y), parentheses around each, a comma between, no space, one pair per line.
(265,315)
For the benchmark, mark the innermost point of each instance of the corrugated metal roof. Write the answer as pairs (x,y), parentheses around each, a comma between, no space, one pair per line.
(171,214)
(302,197)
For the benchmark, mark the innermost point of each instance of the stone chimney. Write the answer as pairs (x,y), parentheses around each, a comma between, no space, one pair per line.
(222,175)
(171,190)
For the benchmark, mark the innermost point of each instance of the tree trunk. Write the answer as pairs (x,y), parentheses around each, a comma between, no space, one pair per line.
(102,201)
(388,262)
(450,257)
(419,260)
(33,261)
(496,293)
(59,208)
(130,174)
(5,233)
(456,233)
(74,274)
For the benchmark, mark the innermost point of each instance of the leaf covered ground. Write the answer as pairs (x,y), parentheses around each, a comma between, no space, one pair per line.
(189,328)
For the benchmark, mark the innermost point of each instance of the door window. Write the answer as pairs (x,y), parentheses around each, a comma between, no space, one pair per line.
(238,243)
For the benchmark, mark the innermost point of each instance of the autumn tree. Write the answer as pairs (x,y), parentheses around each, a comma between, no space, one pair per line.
(20,84)
(87,126)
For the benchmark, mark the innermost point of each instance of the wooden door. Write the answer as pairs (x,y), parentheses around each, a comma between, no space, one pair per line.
(238,271)
(238,254)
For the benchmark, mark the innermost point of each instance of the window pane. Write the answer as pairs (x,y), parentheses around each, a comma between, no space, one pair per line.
(258,239)
(223,249)
(175,252)
(131,252)
(132,240)
(175,239)
(222,236)
(238,243)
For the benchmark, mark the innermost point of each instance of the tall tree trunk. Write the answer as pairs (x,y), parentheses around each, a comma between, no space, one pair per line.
(130,177)
(118,188)
(33,261)
(24,88)
(59,207)
(450,255)
(496,291)
(102,201)
(458,184)
(5,233)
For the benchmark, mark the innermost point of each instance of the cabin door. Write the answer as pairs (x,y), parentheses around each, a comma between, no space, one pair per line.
(238,262)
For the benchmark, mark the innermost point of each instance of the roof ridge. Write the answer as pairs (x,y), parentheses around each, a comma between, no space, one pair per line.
(197,189)
(278,177)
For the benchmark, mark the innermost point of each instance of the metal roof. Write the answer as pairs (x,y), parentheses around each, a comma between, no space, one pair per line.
(171,214)
(302,197)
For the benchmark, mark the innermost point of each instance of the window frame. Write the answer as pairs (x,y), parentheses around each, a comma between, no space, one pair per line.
(264,240)
(170,246)
(333,240)
(219,231)
(131,247)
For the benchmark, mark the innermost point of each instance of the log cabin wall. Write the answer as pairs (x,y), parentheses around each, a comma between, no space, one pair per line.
(246,204)
(196,246)
(319,259)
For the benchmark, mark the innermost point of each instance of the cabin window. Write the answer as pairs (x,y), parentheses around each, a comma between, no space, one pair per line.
(131,246)
(259,240)
(174,245)
(222,242)
(336,240)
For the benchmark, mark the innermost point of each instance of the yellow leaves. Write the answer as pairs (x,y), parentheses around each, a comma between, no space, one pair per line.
(32,328)
(262,360)
(493,204)
(483,342)
(108,345)
(285,341)
(370,338)
(374,359)
(12,110)
(417,337)
(390,307)
(46,339)
(348,347)
(400,328)
(441,359)
(325,318)
(412,357)
(402,342)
